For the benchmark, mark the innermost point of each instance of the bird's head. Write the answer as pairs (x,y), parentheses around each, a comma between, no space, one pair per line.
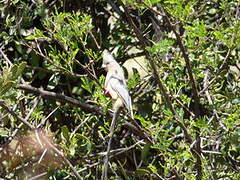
(109,63)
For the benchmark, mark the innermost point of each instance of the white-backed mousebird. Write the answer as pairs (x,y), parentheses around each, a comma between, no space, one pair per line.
(115,87)
(115,83)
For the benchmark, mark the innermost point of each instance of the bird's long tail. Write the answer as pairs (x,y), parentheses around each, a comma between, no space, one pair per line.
(131,110)
(106,159)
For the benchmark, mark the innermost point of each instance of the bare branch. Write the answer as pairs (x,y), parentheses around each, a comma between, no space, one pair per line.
(5,57)
(39,176)
(45,119)
(56,71)
(8,109)
(61,98)
(36,101)
(63,157)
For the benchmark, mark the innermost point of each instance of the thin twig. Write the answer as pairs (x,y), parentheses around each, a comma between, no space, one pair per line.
(94,39)
(44,120)
(56,71)
(215,113)
(132,56)
(218,71)
(205,85)
(15,131)
(183,106)
(41,157)
(8,109)
(85,168)
(63,157)
(36,101)
(115,152)
(5,57)
(40,53)
(80,125)
(59,69)
(90,75)
(34,106)
(211,152)
(39,176)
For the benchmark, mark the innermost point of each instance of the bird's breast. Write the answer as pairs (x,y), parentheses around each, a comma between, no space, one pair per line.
(110,92)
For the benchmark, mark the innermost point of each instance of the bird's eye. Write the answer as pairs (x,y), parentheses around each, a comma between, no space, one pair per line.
(107,63)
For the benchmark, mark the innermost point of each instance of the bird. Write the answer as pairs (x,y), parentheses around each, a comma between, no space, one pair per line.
(115,87)
(115,83)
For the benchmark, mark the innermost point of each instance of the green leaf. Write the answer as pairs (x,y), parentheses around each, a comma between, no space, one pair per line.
(142,171)
(153,168)
(160,48)
(145,151)
(17,70)
(3,132)
(6,87)
(21,68)
(87,85)
(31,37)
(65,132)
(14,70)
(1,81)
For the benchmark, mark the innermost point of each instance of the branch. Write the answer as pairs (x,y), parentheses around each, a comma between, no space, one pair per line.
(5,56)
(61,98)
(131,56)
(197,149)
(36,101)
(55,71)
(43,121)
(114,152)
(185,56)
(4,106)
(38,176)
(63,157)
(162,88)
(144,42)
(169,103)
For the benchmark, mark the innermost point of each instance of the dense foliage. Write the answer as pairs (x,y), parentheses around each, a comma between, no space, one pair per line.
(55,118)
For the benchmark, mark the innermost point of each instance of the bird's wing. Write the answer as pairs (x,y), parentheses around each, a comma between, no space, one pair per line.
(118,86)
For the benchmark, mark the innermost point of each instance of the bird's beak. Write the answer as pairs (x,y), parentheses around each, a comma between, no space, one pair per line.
(104,66)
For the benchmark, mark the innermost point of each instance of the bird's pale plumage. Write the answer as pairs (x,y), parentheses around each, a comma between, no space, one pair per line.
(115,83)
